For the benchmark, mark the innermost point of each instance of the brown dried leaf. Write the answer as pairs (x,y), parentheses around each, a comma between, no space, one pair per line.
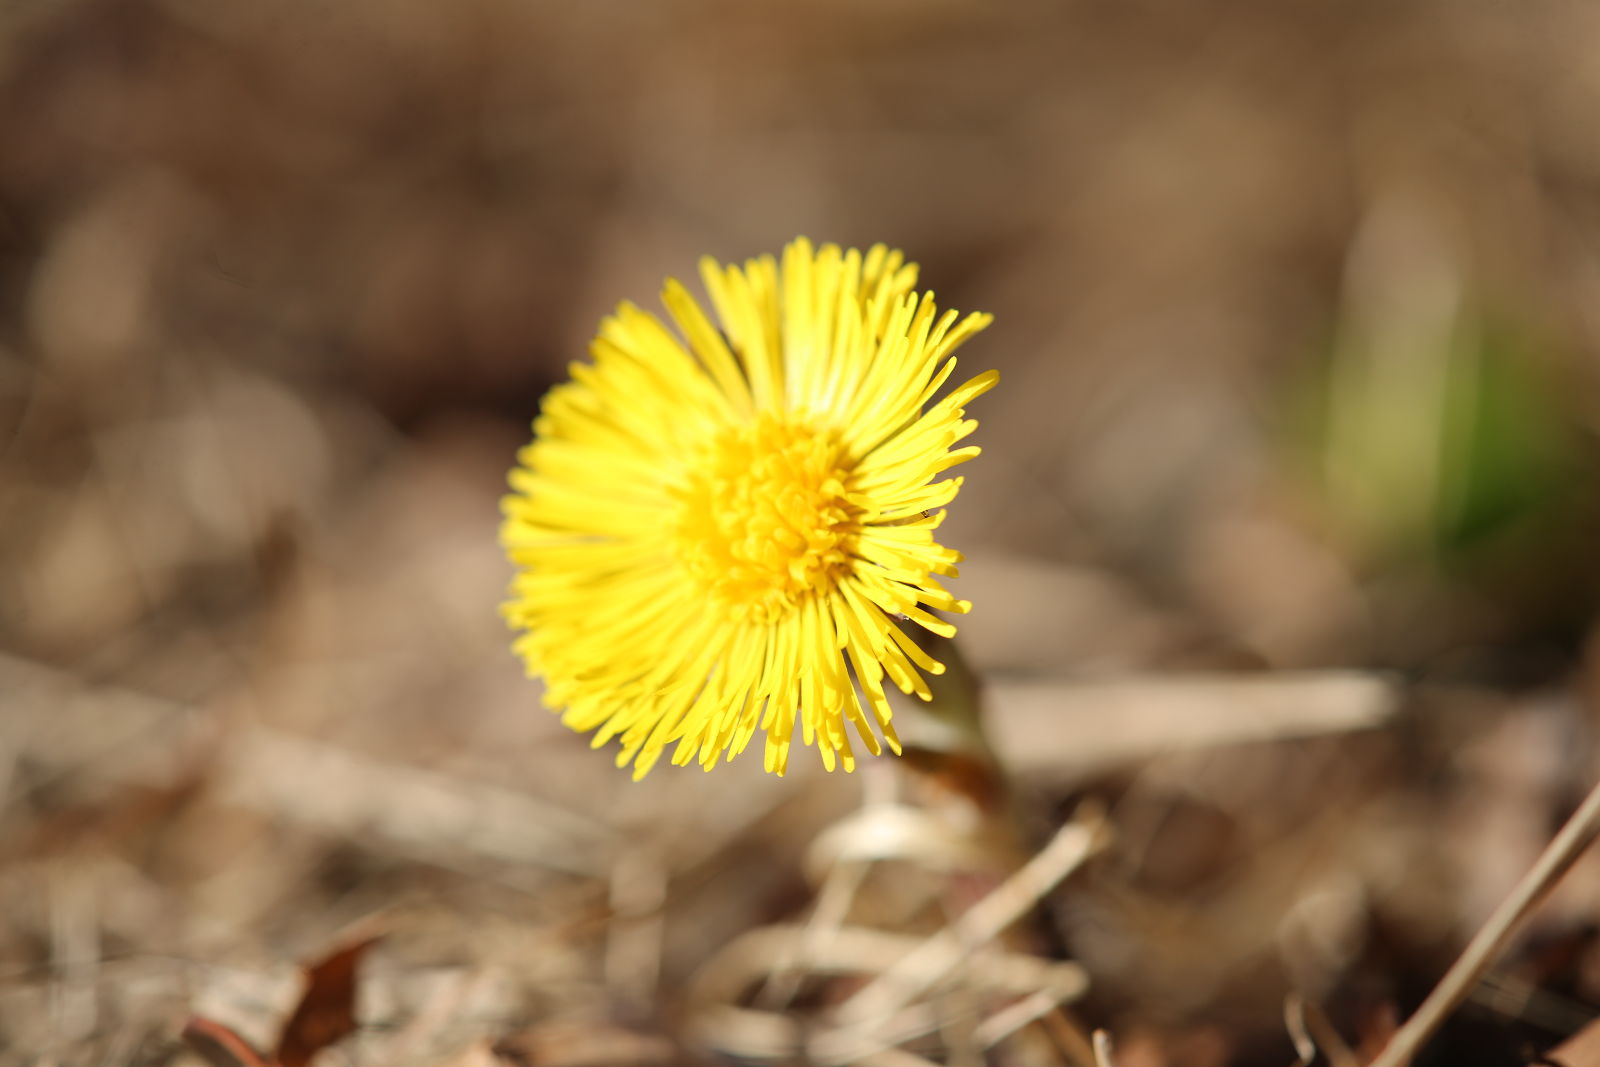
(326,1011)
(220,1046)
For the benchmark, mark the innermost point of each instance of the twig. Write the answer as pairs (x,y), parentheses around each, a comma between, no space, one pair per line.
(1014,1016)
(1070,1038)
(1294,1020)
(1327,1037)
(1576,836)
(1102,1049)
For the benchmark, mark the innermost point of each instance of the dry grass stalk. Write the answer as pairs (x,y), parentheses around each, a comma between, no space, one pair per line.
(1312,1030)
(1013,1017)
(1570,843)
(1138,718)
(765,1034)
(1294,1020)
(935,958)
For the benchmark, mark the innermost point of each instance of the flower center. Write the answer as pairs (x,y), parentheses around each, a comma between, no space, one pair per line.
(764,517)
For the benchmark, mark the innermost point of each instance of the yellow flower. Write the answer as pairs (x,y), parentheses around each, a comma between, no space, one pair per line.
(711,537)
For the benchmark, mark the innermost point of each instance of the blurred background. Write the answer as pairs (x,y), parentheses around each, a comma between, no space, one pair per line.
(1282,543)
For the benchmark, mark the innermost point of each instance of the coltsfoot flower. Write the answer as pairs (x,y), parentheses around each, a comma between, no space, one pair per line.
(716,534)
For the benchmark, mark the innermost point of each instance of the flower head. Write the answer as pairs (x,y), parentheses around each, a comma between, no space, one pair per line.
(713,535)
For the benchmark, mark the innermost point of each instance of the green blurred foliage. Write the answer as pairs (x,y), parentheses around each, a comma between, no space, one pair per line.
(1436,452)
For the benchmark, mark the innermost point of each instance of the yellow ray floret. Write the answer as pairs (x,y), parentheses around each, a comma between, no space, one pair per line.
(721,529)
